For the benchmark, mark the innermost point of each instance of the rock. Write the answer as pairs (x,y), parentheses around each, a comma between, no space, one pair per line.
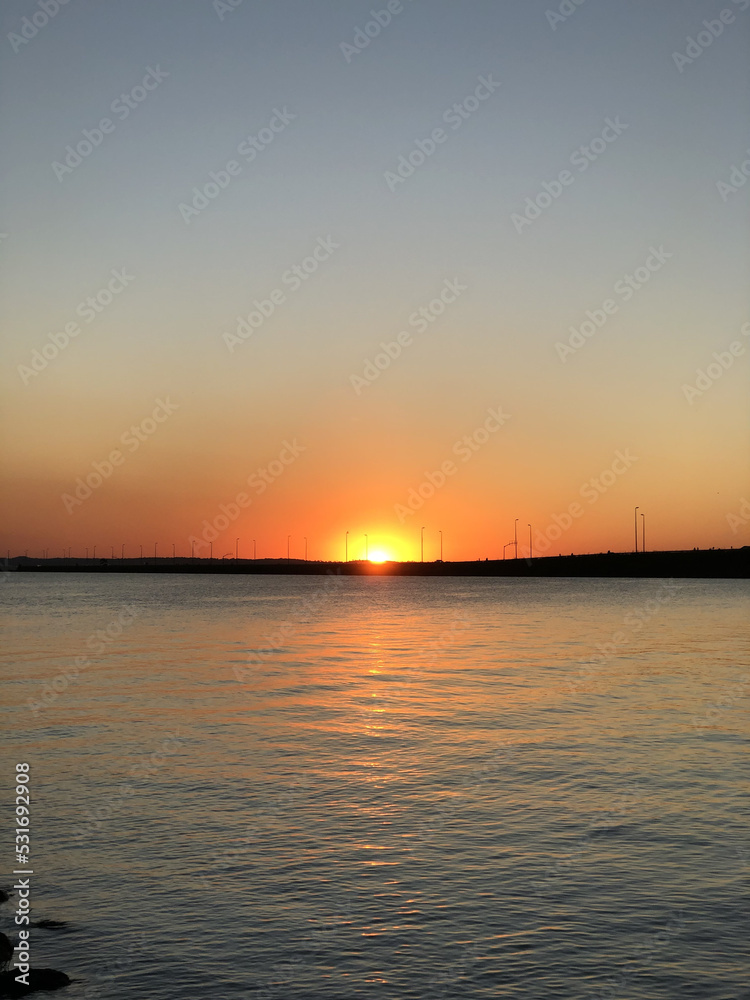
(39,979)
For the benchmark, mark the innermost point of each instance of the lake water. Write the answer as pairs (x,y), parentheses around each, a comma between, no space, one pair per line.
(280,787)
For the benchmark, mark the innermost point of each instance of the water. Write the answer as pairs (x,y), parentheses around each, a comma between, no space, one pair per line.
(415,789)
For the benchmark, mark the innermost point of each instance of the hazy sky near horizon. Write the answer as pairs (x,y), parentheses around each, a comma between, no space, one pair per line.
(316,133)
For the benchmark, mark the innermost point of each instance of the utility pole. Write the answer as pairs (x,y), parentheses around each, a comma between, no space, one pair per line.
(515,538)
(643,535)
(635,518)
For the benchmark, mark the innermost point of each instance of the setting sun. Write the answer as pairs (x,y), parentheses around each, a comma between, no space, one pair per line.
(378,556)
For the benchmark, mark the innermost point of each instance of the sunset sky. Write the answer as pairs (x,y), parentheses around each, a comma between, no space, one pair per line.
(305,127)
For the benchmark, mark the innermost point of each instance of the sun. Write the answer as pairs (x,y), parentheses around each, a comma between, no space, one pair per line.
(378,556)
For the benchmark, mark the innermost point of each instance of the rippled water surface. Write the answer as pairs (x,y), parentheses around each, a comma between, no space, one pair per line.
(276,787)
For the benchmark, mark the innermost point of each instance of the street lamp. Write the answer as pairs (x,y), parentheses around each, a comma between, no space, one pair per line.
(94,555)
(507,546)
(515,537)
(421,536)
(635,519)
(441,546)
(531,550)
(643,536)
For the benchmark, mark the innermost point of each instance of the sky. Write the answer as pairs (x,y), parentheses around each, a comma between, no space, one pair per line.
(276,272)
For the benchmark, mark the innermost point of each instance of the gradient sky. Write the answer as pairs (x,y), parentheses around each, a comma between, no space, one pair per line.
(324,176)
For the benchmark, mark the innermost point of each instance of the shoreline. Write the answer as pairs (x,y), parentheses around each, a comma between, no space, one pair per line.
(685,564)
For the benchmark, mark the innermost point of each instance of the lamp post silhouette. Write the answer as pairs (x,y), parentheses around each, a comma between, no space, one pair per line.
(515,538)
(94,555)
(643,533)
(346,547)
(635,519)
(507,546)
(367,551)
(441,546)
(531,551)
(421,551)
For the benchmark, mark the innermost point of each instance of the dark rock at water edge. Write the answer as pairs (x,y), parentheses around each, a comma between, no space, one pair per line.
(39,979)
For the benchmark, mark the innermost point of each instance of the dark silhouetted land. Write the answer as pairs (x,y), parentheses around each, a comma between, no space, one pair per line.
(695,563)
